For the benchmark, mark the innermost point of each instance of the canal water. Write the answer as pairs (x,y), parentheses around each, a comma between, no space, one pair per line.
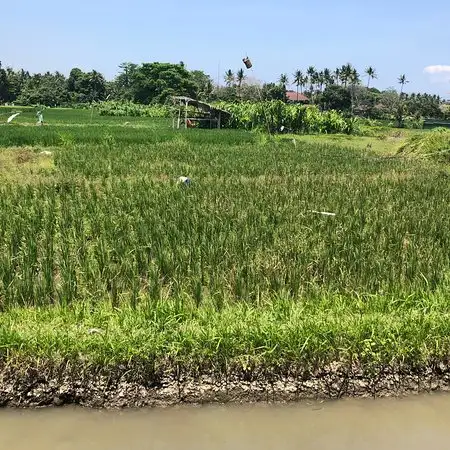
(411,423)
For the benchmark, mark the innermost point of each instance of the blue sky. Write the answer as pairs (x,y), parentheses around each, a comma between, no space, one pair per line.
(279,36)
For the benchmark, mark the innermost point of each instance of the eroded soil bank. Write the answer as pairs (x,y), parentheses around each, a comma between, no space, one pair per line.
(121,388)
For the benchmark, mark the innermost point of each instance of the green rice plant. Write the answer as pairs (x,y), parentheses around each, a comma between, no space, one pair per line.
(236,269)
(116,226)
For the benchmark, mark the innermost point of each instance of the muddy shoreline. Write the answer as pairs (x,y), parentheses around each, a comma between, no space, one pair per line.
(120,388)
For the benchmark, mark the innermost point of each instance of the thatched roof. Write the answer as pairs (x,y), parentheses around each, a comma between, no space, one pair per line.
(181,100)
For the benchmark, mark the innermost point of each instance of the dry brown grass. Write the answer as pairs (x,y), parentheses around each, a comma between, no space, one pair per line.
(25,165)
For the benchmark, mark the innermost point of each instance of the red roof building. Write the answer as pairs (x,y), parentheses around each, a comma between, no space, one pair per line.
(291,96)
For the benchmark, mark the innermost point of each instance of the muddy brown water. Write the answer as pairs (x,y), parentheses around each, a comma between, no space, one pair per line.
(410,423)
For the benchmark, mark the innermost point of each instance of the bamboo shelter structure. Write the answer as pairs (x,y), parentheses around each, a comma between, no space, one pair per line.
(191,113)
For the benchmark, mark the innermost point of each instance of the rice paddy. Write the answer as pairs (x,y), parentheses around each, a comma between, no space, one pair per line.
(235,268)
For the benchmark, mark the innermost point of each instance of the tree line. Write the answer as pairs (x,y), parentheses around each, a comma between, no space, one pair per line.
(153,83)
(343,89)
(145,83)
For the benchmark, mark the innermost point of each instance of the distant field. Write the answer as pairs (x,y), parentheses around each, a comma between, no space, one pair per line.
(65,116)
(239,266)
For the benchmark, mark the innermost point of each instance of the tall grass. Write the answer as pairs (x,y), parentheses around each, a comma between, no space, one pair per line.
(281,336)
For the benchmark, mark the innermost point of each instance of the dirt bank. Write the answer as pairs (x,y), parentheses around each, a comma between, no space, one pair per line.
(119,388)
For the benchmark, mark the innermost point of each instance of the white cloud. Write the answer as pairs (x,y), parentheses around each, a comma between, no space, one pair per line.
(437,69)
(438,73)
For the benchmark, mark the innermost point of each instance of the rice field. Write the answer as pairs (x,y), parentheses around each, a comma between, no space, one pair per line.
(240,265)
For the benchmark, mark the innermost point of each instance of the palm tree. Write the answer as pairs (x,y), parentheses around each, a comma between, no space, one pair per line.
(229,78)
(327,77)
(371,74)
(320,80)
(337,75)
(311,72)
(303,82)
(284,80)
(354,78)
(298,80)
(346,73)
(402,80)
(240,77)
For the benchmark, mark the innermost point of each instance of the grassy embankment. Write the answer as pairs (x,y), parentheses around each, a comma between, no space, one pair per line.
(106,261)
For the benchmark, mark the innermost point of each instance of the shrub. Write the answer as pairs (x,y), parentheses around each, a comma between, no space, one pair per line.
(276,116)
(130,109)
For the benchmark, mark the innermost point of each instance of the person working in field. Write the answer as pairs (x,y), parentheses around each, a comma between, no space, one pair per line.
(40,117)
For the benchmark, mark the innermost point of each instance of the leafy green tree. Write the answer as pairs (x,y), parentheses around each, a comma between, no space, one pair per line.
(364,100)
(124,81)
(203,85)
(224,93)
(16,82)
(75,80)
(335,97)
(156,82)
(392,105)
(47,89)
(96,86)
(4,85)
(272,91)
(251,92)
(424,106)
(86,87)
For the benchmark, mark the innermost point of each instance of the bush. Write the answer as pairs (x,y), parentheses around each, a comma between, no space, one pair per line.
(413,123)
(130,109)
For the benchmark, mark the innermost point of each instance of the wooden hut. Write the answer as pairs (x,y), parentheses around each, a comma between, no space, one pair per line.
(190,113)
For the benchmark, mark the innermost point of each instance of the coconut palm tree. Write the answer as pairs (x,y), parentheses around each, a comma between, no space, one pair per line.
(311,72)
(298,80)
(240,77)
(327,77)
(321,80)
(402,80)
(354,78)
(371,75)
(229,78)
(337,75)
(284,80)
(346,73)
(303,83)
